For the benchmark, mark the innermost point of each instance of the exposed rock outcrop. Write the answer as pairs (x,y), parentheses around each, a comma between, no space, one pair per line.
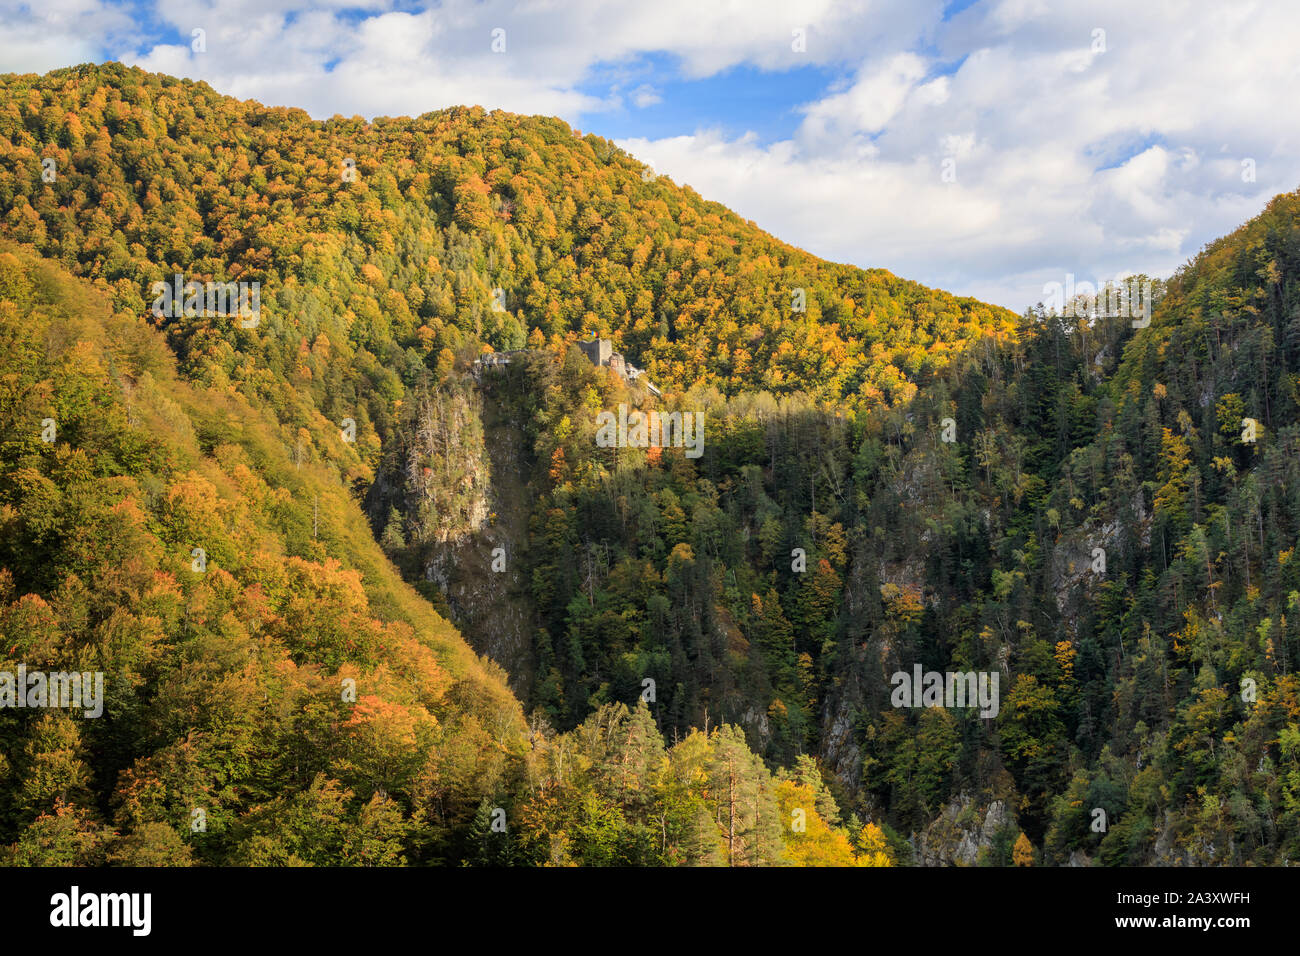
(961,833)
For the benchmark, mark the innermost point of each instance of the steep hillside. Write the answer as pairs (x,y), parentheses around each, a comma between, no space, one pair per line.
(262,662)
(376,252)
(1104,517)
(389,253)
(272,694)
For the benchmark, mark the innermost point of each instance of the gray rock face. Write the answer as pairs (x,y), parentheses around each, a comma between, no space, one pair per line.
(1074,558)
(840,752)
(961,833)
(478,534)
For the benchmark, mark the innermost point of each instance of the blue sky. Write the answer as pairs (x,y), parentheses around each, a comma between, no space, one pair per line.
(989,147)
(741,99)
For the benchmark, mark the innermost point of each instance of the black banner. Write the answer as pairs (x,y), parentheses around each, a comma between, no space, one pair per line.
(352,906)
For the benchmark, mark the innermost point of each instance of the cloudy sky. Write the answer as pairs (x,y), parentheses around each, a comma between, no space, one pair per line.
(985,147)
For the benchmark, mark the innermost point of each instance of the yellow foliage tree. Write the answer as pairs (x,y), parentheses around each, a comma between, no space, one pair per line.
(809,840)
(873,848)
(1022,854)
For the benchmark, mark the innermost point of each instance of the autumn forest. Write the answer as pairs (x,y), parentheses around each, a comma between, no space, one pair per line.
(360,597)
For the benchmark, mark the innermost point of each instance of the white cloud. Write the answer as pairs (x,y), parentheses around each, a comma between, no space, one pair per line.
(39,37)
(399,63)
(645,95)
(869,104)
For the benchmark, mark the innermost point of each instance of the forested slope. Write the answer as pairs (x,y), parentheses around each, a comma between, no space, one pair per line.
(388,239)
(829,536)
(263,663)
(284,699)
(229,698)
(1111,530)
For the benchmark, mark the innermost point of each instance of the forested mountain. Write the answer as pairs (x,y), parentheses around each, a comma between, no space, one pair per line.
(1110,528)
(390,238)
(703,647)
(282,697)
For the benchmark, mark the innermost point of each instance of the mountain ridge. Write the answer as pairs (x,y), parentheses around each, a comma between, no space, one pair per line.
(481,177)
